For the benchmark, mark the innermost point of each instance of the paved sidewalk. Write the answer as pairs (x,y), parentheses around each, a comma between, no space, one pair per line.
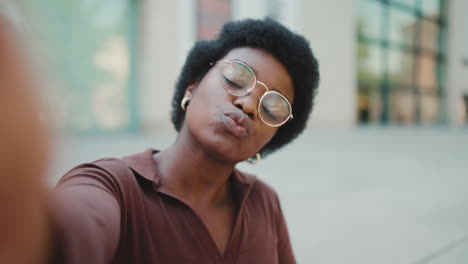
(366,195)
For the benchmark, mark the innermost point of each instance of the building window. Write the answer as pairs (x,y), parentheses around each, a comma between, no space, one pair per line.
(212,14)
(92,45)
(400,61)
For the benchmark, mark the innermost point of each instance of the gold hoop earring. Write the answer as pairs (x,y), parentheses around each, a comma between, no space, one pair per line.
(185,102)
(255,160)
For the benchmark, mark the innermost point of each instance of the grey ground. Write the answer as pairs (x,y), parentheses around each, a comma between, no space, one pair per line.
(364,195)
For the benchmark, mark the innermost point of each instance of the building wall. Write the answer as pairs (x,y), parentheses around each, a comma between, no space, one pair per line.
(330,28)
(456,71)
(167,32)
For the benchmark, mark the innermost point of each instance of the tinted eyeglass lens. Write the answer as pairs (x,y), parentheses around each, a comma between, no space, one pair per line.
(237,78)
(274,109)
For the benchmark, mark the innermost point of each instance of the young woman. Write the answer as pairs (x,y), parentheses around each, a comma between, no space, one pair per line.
(239,97)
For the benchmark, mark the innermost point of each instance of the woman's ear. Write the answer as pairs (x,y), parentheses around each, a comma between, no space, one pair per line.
(189,90)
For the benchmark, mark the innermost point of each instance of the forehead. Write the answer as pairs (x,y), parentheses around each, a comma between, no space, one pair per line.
(267,69)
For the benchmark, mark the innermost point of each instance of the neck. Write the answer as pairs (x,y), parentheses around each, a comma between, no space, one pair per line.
(192,174)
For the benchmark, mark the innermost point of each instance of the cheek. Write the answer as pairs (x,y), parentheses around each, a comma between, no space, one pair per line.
(202,105)
(203,110)
(207,98)
(262,137)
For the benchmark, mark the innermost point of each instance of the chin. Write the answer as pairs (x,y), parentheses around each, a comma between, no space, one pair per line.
(226,153)
(224,148)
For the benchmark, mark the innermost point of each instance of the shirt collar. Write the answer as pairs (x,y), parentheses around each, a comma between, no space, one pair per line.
(144,164)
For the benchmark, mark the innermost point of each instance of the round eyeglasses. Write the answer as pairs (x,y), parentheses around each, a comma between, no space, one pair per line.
(239,79)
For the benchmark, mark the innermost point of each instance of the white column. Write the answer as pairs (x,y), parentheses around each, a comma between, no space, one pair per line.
(457,48)
(167,32)
(330,28)
(187,28)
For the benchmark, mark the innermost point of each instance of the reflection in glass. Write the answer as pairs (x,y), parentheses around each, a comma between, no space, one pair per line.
(430,8)
(408,3)
(369,18)
(370,70)
(426,77)
(402,26)
(402,106)
(400,67)
(429,35)
(370,105)
(370,64)
(430,108)
(401,83)
(92,50)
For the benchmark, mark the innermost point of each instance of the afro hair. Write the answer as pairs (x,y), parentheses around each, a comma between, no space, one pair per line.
(290,49)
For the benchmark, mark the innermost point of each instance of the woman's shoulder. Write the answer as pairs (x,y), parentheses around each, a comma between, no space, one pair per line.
(120,169)
(260,189)
(102,168)
(265,188)
(107,175)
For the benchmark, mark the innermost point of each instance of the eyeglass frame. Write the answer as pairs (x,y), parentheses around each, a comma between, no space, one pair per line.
(289,117)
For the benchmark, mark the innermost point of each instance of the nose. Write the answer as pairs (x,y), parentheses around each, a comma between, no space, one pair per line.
(249,103)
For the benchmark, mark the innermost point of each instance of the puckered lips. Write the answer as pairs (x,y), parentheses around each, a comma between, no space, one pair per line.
(237,123)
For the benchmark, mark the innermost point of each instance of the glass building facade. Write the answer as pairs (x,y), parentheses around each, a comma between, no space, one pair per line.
(92,46)
(400,62)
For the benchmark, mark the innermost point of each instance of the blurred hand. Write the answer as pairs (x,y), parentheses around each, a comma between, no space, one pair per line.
(23,159)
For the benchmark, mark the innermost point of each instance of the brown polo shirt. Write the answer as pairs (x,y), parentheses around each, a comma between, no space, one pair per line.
(117,211)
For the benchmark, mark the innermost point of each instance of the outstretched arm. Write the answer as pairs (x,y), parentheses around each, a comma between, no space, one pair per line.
(77,223)
(23,160)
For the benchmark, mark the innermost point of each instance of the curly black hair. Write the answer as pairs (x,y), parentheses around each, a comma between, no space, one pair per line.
(291,49)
